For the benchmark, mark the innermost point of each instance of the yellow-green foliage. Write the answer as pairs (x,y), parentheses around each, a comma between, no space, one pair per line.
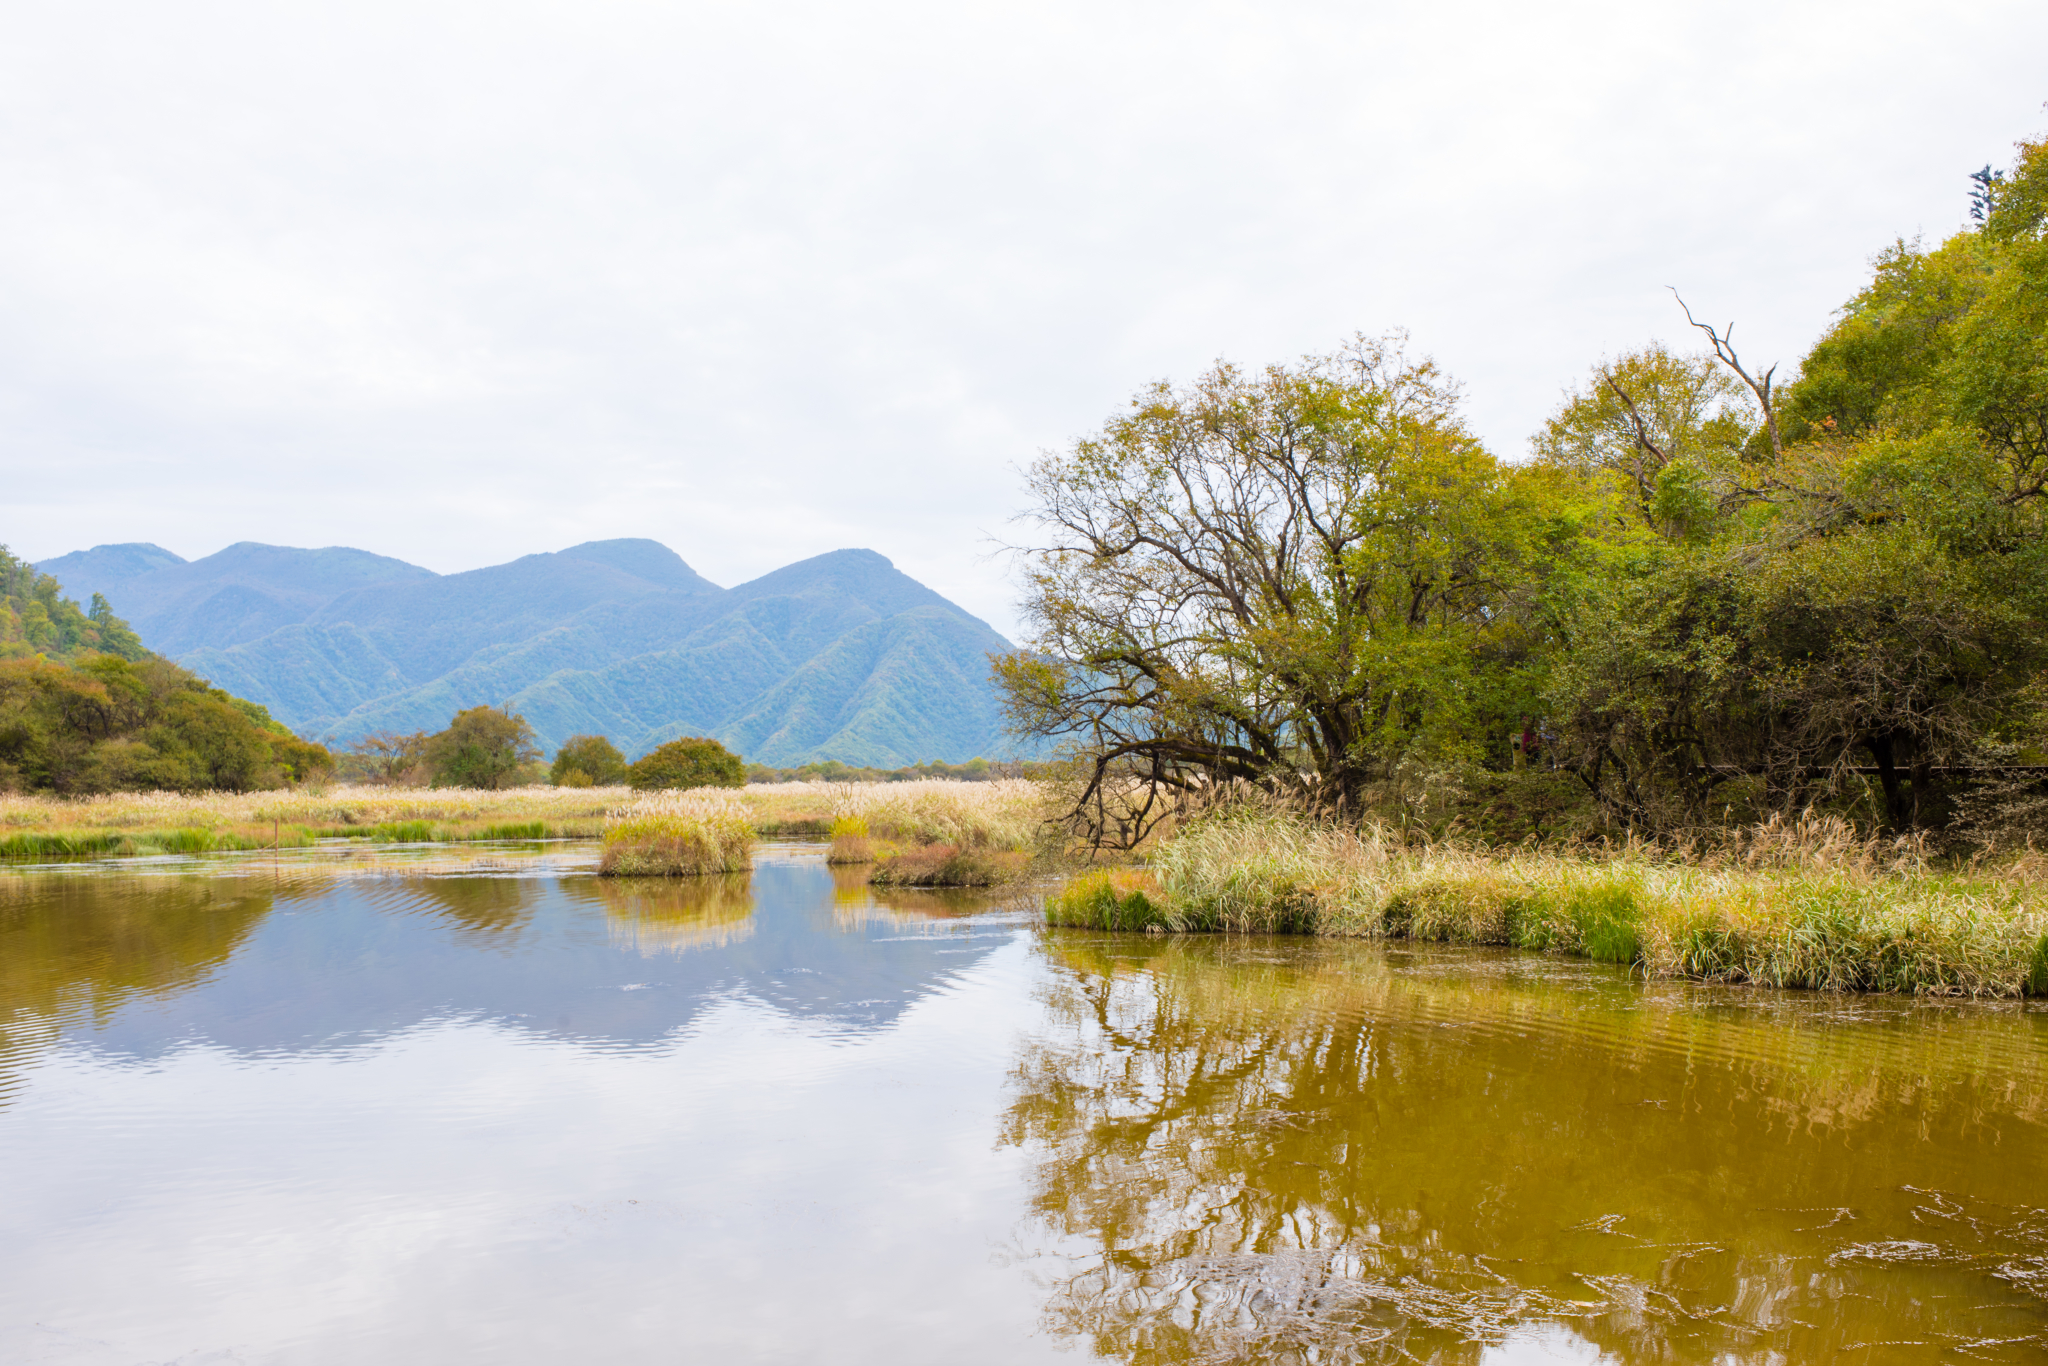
(678,835)
(850,841)
(1794,906)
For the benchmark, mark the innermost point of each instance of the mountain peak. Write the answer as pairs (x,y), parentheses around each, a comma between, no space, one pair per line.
(643,559)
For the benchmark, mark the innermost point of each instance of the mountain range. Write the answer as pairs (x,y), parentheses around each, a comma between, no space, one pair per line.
(837,657)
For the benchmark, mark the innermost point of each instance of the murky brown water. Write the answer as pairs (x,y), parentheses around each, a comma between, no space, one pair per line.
(294,1113)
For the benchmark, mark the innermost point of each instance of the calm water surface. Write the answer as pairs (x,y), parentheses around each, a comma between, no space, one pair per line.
(321,1112)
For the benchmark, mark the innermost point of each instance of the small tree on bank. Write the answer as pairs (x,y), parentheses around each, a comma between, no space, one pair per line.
(588,761)
(694,761)
(482,747)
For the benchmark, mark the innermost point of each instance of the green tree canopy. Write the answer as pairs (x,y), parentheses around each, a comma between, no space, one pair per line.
(588,761)
(483,747)
(37,619)
(694,761)
(1869,592)
(105,724)
(1313,575)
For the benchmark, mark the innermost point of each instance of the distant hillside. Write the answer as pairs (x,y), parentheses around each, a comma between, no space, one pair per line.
(837,657)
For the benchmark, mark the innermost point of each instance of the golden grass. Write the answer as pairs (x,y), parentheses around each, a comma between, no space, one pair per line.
(679,834)
(1006,814)
(35,825)
(946,865)
(1791,905)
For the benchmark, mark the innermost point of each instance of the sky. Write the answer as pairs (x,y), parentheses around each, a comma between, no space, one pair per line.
(459,282)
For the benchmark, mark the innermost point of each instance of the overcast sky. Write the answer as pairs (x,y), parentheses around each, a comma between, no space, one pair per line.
(460,282)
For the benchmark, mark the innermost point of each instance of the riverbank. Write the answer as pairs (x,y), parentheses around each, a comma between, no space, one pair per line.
(1788,906)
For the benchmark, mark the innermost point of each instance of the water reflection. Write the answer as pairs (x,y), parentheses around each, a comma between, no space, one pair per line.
(675,915)
(489,912)
(507,1120)
(263,962)
(1316,1152)
(73,949)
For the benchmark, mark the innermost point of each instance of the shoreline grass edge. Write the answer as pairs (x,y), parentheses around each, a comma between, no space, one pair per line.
(1833,919)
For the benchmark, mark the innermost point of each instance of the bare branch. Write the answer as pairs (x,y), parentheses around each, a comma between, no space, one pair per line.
(1725,349)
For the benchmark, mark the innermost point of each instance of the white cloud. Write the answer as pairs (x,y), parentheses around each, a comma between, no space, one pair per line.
(457,282)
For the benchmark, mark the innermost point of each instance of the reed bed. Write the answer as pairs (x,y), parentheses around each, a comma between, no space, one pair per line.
(1005,814)
(679,834)
(928,833)
(40,826)
(1796,904)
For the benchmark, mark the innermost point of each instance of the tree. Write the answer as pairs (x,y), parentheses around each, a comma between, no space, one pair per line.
(385,757)
(483,747)
(1868,589)
(588,761)
(693,761)
(36,618)
(1311,576)
(107,724)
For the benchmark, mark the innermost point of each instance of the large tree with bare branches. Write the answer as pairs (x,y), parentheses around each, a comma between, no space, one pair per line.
(1308,575)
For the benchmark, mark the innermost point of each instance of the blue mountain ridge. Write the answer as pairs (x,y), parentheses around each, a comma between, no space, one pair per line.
(841,656)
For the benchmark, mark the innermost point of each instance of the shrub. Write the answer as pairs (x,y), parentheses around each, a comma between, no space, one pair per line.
(693,761)
(105,723)
(588,761)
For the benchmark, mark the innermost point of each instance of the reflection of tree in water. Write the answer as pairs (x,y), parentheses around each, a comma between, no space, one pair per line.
(74,945)
(1294,1153)
(856,903)
(489,911)
(677,914)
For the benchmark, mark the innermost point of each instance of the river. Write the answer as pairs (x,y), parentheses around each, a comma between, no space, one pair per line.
(480,1106)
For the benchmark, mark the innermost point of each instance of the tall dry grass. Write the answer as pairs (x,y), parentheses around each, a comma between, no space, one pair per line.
(679,834)
(1794,904)
(37,825)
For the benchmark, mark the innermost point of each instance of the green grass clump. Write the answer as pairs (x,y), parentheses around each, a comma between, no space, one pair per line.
(404,832)
(1109,900)
(522,830)
(57,844)
(683,835)
(61,843)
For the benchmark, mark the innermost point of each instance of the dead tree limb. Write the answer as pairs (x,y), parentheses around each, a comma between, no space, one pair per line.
(1725,349)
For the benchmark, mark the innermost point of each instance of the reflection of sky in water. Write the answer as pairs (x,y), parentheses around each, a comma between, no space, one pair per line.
(407,1122)
(575,958)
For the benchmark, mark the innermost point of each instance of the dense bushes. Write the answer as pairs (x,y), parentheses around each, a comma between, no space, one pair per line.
(105,723)
(690,762)
(1716,594)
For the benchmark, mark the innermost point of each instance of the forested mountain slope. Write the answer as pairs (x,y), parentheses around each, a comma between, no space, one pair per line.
(836,657)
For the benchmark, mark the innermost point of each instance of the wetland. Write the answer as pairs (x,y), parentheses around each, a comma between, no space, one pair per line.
(474,1102)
